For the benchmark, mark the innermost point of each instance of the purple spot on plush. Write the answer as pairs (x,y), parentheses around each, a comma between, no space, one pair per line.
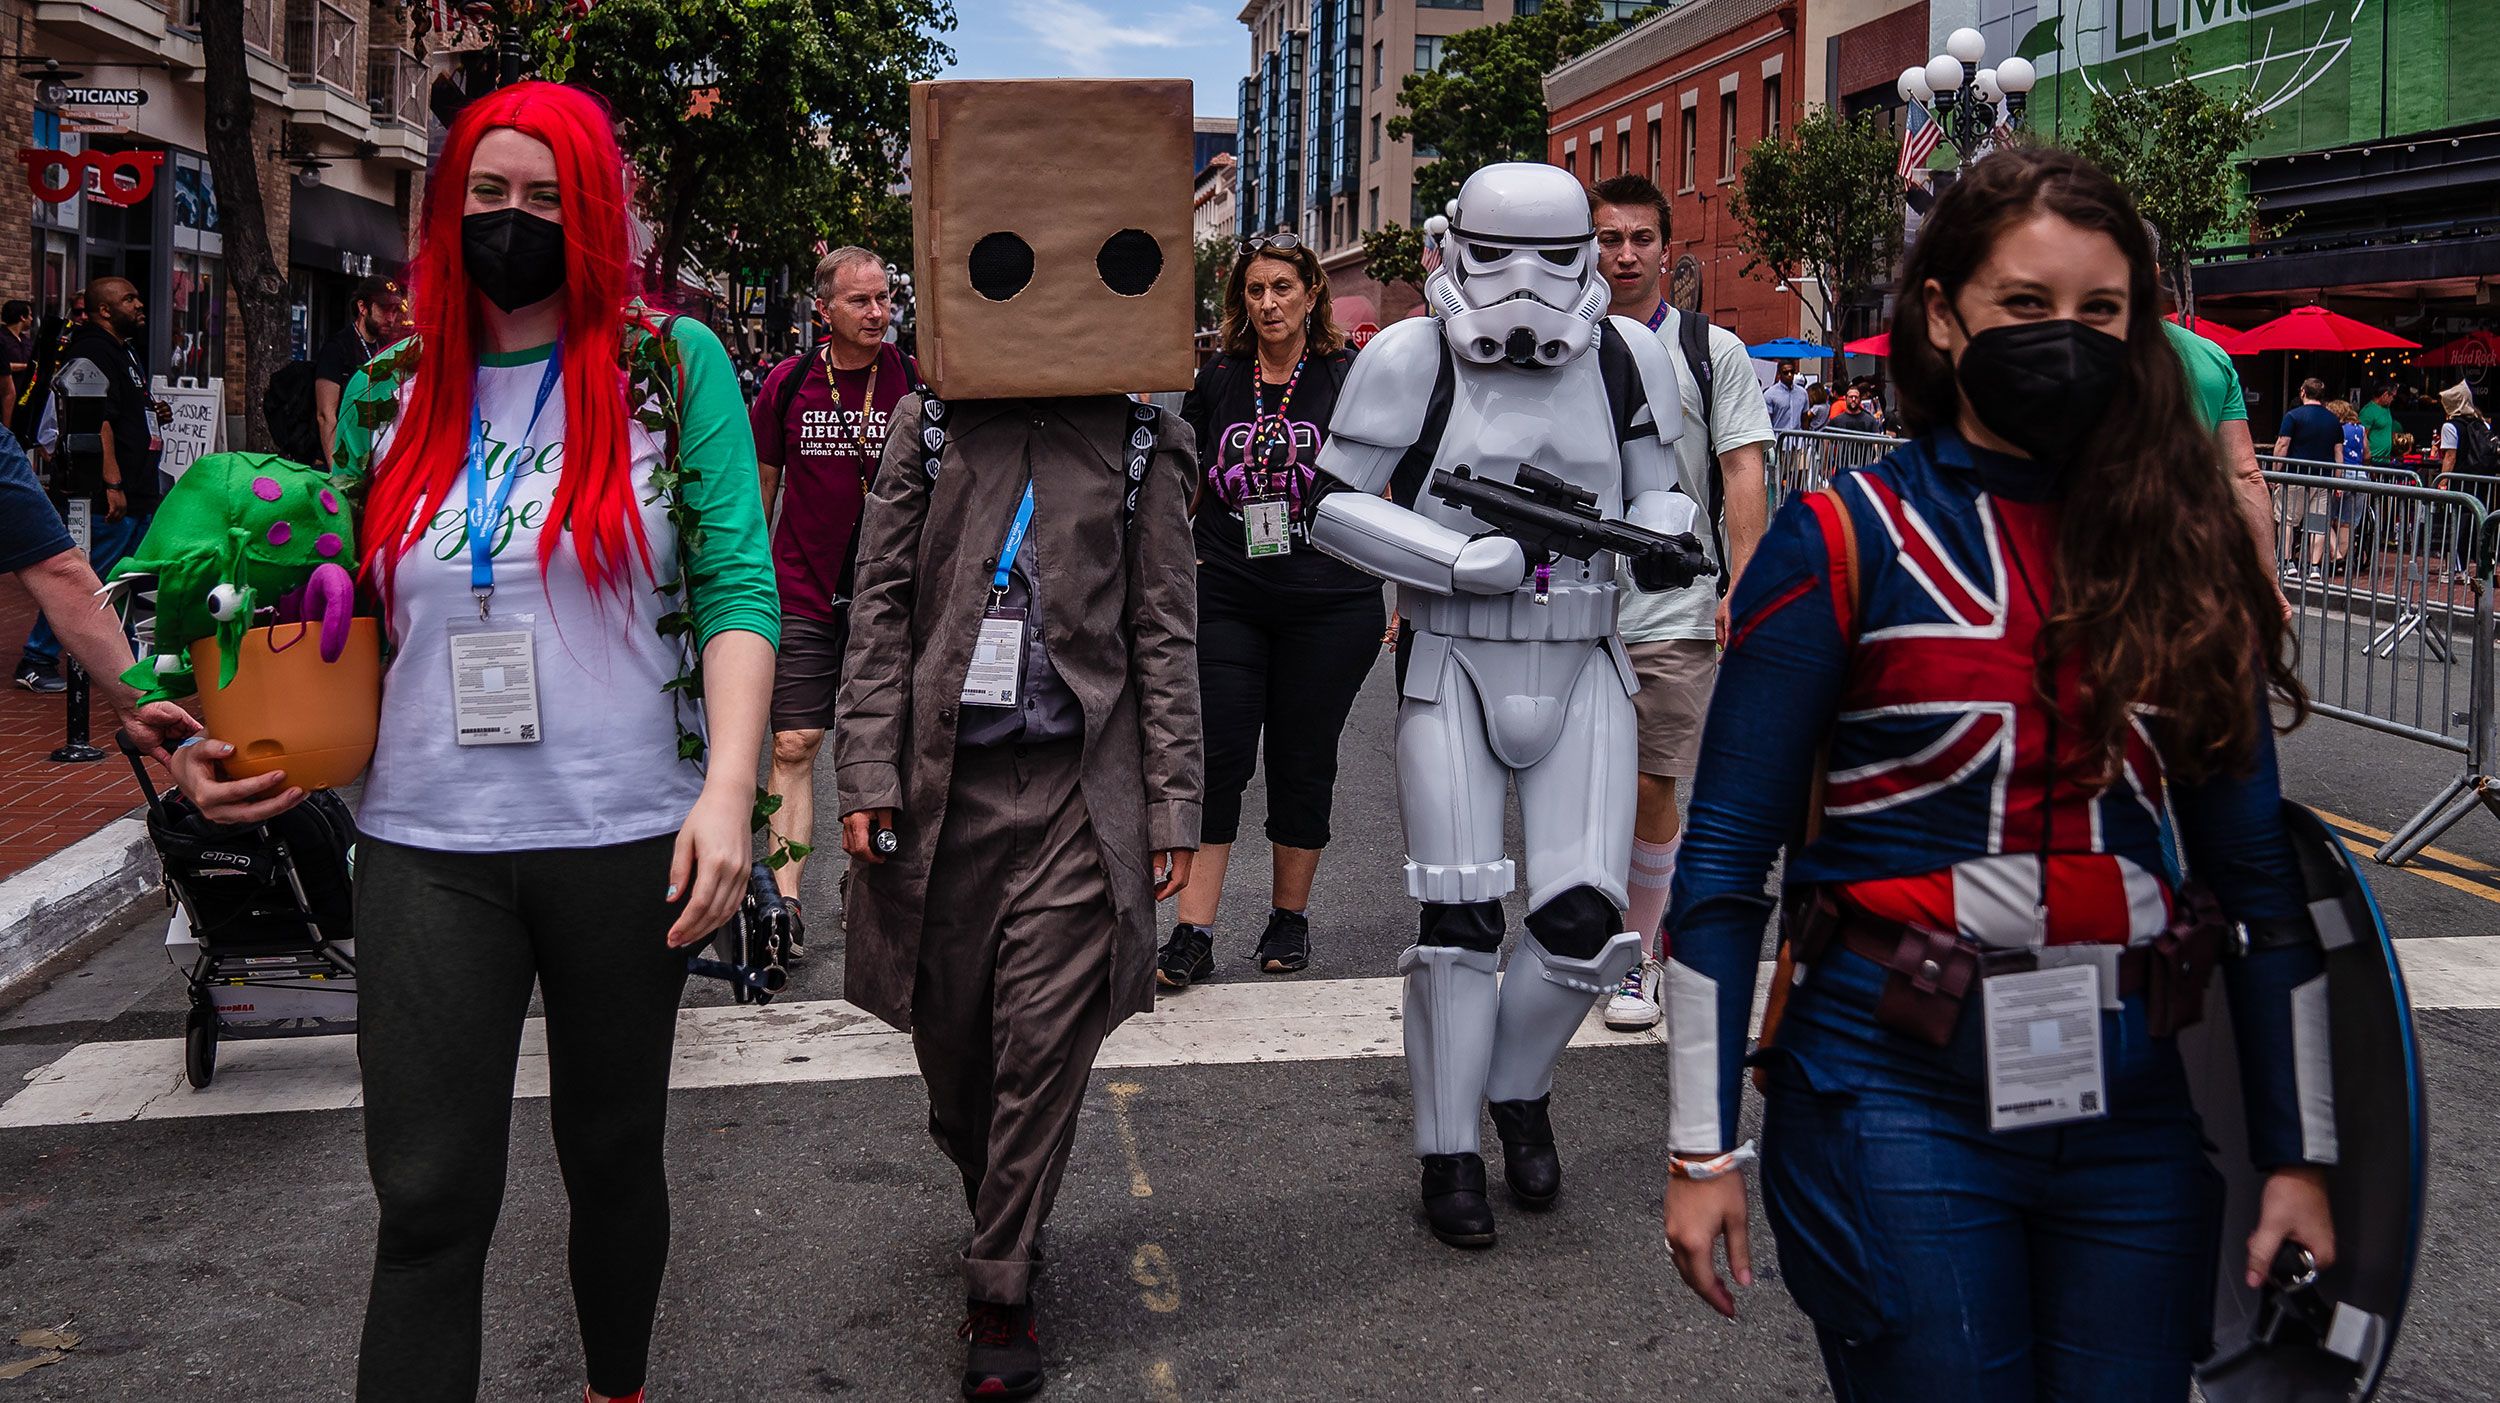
(327,545)
(280,533)
(329,503)
(266,488)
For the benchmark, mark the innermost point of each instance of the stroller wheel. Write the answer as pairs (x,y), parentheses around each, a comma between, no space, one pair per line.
(199,1044)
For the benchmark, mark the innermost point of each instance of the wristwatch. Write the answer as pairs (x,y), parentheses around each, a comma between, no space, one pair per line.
(1715,1167)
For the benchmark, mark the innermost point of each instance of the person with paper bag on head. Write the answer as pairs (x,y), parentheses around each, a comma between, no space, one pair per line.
(1017,741)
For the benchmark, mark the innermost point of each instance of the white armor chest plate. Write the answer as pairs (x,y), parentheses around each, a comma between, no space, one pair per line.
(1556,420)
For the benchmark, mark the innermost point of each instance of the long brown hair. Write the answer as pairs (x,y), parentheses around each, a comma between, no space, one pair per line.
(1240,338)
(2160,600)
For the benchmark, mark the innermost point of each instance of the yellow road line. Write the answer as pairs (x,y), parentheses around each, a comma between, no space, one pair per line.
(2432,874)
(1121,1093)
(2456,860)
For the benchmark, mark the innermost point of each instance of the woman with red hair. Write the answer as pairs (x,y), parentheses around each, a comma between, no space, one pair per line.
(538,811)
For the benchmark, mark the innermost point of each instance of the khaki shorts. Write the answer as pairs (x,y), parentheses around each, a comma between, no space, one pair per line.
(1676,676)
(807,672)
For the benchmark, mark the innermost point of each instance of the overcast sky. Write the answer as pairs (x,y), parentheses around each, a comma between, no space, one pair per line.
(1192,39)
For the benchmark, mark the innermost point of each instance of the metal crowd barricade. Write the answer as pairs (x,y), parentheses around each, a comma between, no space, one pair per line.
(1805,459)
(2391,588)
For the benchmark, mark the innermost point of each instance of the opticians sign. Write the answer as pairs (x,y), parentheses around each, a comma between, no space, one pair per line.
(67,95)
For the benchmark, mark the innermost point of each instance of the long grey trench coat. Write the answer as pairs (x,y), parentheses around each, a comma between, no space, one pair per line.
(1121,622)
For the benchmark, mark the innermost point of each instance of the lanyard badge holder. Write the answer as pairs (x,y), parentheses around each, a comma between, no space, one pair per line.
(494,662)
(996,675)
(1267,516)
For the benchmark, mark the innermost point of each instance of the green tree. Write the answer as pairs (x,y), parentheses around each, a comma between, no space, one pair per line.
(2172,146)
(1822,201)
(757,128)
(1215,264)
(1393,253)
(1486,103)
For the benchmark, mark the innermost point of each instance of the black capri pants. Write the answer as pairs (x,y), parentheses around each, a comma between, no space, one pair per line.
(1289,663)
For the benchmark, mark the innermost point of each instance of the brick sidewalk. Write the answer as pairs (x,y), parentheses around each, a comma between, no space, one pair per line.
(45,807)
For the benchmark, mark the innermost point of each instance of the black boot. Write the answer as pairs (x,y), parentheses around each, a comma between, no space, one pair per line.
(1528,1158)
(1004,1357)
(1454,1203)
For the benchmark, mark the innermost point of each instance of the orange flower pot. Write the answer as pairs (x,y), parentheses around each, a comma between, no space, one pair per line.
(288,710)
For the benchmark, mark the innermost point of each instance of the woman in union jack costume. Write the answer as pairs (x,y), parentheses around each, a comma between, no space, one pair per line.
(2003,698)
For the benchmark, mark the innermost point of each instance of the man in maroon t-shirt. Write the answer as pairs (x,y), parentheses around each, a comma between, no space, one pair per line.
(820,423)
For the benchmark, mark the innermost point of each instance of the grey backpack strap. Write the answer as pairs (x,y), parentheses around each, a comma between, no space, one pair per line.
(932,434)
(1141,446)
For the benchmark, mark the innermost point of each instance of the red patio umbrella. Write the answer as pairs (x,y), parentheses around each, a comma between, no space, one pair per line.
(2317,329)
(2231,341)
(1879,344)
(2474,349)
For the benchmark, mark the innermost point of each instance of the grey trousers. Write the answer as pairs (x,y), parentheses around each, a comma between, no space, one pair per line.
(1013,994)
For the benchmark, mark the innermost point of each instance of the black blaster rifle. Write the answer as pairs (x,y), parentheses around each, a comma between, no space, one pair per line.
(1549,517)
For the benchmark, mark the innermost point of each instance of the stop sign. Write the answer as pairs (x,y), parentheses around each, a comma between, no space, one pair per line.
(1363,333)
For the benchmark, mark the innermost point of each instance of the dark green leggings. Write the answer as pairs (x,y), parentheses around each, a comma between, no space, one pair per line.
(447,946)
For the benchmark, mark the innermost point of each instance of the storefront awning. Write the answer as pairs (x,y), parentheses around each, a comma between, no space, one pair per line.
(337,233)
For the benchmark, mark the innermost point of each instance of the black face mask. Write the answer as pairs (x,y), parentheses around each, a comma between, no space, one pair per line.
(513,256)
(2042,386)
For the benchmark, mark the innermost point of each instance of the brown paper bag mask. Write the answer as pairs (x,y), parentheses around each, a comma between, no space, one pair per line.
(1053,249)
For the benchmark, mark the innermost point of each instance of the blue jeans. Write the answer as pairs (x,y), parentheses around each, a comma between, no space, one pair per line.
(114,541)
(1944,1263)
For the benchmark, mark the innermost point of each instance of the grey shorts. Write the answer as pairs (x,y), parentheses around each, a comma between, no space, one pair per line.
(1676,676)
(807,672)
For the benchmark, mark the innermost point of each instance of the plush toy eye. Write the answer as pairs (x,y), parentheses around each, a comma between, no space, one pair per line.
(224,602)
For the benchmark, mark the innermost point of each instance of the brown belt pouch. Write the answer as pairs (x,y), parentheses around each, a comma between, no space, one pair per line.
(1931,974)
(2181,969)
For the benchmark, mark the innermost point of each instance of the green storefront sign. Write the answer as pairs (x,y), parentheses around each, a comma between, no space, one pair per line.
(2327,73)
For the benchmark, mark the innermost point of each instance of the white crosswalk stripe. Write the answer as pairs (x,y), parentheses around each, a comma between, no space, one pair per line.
(829,1040)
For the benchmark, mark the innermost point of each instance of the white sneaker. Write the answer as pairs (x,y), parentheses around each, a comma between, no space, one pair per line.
(1634,1007)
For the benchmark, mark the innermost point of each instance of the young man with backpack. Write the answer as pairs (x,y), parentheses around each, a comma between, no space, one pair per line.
(1674,637)
(820,425)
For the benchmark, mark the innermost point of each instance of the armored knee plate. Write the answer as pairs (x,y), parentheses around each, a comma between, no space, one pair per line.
(1545,997)
(1453,998)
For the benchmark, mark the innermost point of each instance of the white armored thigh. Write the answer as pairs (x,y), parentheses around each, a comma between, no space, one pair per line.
(1577,801)
(1450,786)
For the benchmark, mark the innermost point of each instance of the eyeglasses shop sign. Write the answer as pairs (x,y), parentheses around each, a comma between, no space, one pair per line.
(67,95)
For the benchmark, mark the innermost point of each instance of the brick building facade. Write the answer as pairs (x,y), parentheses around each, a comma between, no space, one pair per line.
(1678,99)
(340,127)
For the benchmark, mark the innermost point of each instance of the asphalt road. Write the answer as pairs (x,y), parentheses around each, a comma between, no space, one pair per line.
(1227,1230)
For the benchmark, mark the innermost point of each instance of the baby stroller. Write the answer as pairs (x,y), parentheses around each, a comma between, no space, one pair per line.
(263,917)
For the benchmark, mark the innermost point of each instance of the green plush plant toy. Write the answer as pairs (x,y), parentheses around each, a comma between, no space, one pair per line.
(241,533)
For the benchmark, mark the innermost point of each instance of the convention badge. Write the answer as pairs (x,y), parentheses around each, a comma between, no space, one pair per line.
(2043,1029)
(81,523)
(1270,523)
(997,671)
(494,681)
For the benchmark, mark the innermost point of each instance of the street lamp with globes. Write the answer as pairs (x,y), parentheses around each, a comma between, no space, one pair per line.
(1969,103)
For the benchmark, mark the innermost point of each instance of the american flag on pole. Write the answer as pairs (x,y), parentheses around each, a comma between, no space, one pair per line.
(1917,144)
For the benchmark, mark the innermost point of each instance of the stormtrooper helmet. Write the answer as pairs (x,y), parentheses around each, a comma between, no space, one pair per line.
(1518,280)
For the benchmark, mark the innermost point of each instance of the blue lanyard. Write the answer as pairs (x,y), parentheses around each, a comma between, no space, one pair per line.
(485,512)
(1015,542)
(1658,318)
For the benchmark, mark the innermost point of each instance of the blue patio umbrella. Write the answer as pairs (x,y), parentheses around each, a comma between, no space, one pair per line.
(1788,348)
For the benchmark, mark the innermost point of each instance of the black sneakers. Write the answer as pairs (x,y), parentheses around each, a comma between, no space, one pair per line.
(1286,948)
(1004,1354)
(1187,957)
(794,949)
(38,681)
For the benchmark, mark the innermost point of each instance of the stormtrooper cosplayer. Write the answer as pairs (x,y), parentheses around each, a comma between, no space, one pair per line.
(1516,671)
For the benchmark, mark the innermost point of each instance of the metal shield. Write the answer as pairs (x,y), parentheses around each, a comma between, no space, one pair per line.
(2327,1342)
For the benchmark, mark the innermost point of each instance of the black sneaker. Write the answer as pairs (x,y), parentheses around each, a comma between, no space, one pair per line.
(1286,948)
(1004,1354)
(794,949)
(38,681)
(1189,956)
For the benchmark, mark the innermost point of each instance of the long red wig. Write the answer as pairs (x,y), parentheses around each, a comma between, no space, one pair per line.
(427,459)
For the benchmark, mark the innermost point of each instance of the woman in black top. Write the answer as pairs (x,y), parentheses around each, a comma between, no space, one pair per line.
(1285,634)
